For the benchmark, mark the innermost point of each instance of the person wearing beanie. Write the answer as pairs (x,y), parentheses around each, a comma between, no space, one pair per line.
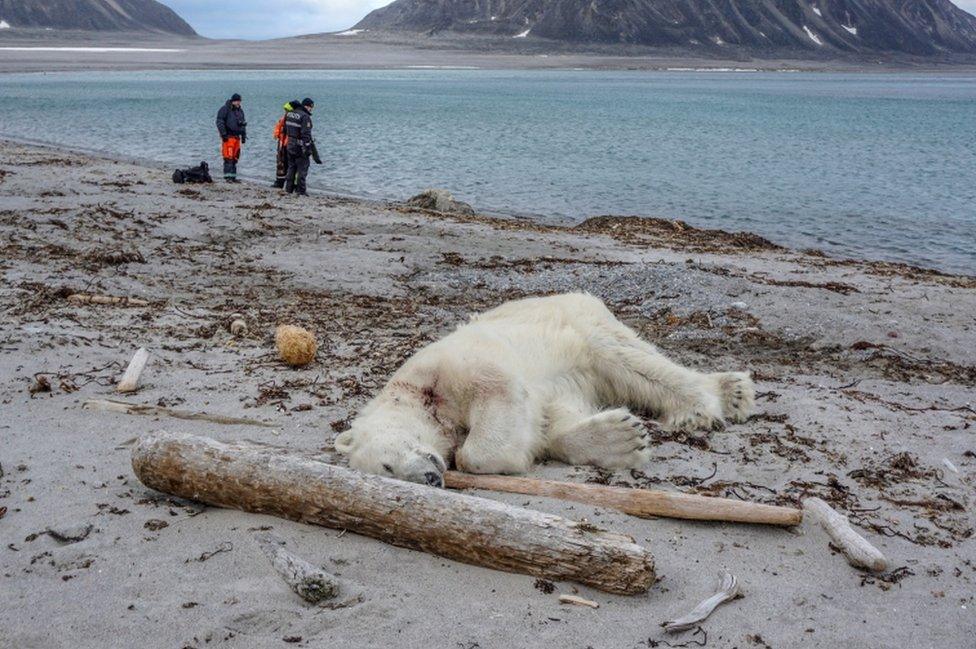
(301,146)
(232,127)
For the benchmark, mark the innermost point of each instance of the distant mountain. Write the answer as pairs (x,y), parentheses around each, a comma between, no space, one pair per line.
(828,27)
(93,15)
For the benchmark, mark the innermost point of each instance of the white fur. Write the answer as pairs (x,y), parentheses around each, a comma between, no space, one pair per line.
(534,378)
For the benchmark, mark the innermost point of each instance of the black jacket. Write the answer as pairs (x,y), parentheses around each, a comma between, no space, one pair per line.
(298,127)
(230,121)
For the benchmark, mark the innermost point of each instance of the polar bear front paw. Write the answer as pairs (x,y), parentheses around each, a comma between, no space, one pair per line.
(613,439)
(701,413)
(738,394)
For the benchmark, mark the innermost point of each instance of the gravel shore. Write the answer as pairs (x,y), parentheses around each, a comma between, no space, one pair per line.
(865,374)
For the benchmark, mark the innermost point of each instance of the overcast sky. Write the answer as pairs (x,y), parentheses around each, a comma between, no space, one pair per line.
(276,18)
(272,18)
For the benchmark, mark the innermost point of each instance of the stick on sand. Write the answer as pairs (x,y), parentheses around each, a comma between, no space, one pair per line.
(858,550)
(130,380)
(644,503)
(111,405)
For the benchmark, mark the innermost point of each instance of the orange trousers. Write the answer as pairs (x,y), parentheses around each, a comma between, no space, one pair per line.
(231,148)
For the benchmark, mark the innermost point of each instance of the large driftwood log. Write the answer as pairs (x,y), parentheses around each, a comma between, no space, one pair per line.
(269,480)
(643,503)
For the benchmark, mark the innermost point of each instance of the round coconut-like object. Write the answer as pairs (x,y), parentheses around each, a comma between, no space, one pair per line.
(296,346)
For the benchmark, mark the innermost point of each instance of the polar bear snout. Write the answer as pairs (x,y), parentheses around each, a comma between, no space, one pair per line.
(420,467)
(434,479)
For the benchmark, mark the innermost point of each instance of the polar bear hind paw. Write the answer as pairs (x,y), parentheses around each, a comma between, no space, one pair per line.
(738,394)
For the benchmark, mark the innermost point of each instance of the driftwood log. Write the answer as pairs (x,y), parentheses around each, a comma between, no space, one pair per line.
(643,503)
(269,480)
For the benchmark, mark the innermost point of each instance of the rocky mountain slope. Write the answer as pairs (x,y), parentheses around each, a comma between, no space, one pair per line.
(915,27)
(93,15)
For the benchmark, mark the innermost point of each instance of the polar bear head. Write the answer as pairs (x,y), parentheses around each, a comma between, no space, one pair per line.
(394,444)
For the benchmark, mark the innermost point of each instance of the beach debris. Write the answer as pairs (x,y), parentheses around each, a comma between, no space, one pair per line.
(576,600)
(859,552)
(296,346)
(280,482)
(111,405)
(85,298)
(949,465)
(237,325)
(741,306)
(545,586)
(439,200)
(41,384)
(675,234)
(643,503)
(130,378)
(70,533)
(728,590)
(115,257)
(226,546)
(308,582)
(346,603)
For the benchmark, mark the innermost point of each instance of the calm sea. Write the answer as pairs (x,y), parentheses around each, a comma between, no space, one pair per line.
(875,166)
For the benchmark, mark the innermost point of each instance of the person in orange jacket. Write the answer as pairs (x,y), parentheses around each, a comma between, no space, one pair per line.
(281,161)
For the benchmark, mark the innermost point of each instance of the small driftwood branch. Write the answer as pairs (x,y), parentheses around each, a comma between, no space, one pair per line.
(85,298)
(269,480)
(643,503)
(307,581)
(130,379)
(727,592)
(111,405)
(859,552)
(578,601)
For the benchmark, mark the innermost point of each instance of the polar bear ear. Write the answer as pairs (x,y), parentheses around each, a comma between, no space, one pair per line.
(344,442)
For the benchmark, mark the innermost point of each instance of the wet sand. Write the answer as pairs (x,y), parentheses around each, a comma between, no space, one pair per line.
(865,373)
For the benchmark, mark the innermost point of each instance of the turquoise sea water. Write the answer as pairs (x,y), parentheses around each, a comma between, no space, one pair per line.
(875,166)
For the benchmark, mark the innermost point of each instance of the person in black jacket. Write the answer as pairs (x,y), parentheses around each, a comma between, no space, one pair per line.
(233,132)
(301,146)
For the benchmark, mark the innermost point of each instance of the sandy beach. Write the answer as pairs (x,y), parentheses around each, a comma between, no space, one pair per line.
(865,375)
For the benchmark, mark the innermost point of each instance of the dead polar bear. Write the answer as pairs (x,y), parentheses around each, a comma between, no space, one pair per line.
(548,377)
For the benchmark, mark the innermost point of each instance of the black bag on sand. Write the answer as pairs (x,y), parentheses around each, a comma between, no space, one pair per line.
(198,174)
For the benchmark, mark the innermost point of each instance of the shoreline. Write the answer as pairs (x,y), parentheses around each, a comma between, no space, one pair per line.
(528,219)
(865,376)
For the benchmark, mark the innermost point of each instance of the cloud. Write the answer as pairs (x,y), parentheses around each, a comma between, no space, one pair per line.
(257,19)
